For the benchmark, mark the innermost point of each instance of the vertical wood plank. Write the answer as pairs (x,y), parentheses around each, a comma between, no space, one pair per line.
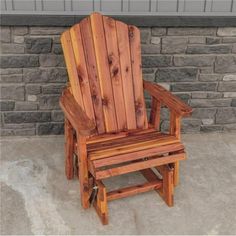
(82,70)
(175,124)
(115,71)
(103,72)
(155,115)
(135,53)
(71,67)
(168,190)
(126,73)
(92,73)
(69,150)
(83,171)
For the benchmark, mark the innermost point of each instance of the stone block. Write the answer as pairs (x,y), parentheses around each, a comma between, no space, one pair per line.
(7,105)
(190,125)
(193,60)
(145,35)
(11,48)
(211,128)
(38,45)
(176,74)
(156,61)
(183,96)
(149,77)
(25,132)
(50,128)
(47,102)
(158,31)
(45,75)
(52,88)
(214,95)
(150,48)
(197,40)
(32,98)
(210,77)
(33,89)
(209,49)
(17,117)
(229,127)
(225,64)
(226,115)
(207,121)
(210,102)
(19,61)
(165,85)
(12,92)
(148,70)
(199,95)
(212,40)
(26,106)
(155,40)
(233,104)
(229,40)
(229,77)
(47,30)
(5,36)
(227,86)
(57,116)
(204,113)
(197,86)
(196,31)
(20,30)
(50,60)
(206,70)
(174,44)
(14,78)
(19,39)
(226,31)
(10,71)
(229,94)
(57,48)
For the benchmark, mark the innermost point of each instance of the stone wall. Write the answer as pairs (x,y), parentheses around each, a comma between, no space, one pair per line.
(197,64)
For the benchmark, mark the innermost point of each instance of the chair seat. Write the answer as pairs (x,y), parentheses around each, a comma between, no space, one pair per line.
(115,154)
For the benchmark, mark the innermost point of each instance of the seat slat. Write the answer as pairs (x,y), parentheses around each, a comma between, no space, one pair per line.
(135,53)
(126,73)
(103,72)
(139,166)
(87,38)
(132,147)
(115,71)
(119,158)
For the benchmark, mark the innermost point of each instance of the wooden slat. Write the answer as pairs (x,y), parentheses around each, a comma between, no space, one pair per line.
(71,67)
(135,53)
(136,156)
(103,72)
(155,115)
(115,71)
(139,166)
(126,73)
(132,147)
(133,190)
(112,136)
(87,39)
(82,69)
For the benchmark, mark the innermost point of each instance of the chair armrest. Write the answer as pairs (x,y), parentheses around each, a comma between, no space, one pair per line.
(167,98)
(74,113)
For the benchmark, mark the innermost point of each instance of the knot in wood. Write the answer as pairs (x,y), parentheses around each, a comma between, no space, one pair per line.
(131,32)
(127,69)
(104,101)
(110,59)
(115,71)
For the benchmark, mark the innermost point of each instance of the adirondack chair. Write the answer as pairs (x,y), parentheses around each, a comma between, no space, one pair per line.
(106,124)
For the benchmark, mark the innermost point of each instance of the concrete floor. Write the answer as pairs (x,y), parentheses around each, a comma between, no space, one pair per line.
(36,198)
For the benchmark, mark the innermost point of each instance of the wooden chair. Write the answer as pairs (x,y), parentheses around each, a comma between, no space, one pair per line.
(106,124)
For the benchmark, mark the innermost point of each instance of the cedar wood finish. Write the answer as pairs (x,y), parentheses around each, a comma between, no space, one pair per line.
(106,124)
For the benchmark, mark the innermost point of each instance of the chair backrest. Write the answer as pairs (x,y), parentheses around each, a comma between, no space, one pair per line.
(103,59)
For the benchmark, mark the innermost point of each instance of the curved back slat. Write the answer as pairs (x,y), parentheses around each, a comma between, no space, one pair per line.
(103,59)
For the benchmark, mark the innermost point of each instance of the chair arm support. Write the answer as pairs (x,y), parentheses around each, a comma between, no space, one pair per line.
(167,98)
(74,113)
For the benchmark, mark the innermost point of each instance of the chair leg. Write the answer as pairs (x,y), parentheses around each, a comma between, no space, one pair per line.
(69,152)
(100,204)
(176,173)
(83,172)
(168,186)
